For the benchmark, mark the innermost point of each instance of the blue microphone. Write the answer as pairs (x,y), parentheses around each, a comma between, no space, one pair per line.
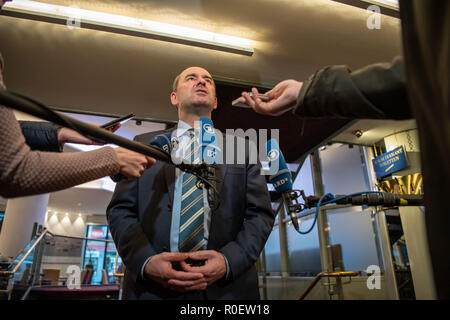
(280,177)
(162,141)
(210,154)
(210,151)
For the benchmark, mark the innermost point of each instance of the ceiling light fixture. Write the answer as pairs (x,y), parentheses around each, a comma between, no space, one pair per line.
(125,25)
(358,133)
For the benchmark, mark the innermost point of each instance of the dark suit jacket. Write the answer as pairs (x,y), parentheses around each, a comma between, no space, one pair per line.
(140,213)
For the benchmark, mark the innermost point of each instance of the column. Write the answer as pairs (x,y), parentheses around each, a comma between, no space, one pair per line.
(413,220)
(20,216)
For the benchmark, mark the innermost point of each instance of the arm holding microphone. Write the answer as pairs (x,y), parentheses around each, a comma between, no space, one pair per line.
(25,172)
(46,136)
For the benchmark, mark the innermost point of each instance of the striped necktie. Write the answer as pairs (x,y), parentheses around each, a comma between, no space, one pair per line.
(192,211)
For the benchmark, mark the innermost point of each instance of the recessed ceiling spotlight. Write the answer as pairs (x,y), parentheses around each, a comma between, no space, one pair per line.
(358,133)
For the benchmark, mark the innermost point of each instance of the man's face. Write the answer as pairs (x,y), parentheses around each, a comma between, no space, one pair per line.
(195,90)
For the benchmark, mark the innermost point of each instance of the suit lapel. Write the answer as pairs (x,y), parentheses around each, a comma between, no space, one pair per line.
(221,168)
(169,175)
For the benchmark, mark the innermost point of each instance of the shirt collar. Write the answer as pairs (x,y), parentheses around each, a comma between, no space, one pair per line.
(183,125)
(182,128)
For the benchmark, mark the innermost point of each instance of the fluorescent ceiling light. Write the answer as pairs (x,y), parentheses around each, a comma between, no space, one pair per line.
(387,7)
(126,25)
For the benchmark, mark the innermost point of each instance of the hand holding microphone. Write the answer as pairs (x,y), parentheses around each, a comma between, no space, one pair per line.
(132,164)
(161,141)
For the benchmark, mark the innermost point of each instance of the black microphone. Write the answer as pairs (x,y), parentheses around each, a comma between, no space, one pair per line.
(372,198)
(282,179)
(35,108)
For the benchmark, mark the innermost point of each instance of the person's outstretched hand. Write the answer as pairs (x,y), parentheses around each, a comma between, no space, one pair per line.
(66,135)
(281,98)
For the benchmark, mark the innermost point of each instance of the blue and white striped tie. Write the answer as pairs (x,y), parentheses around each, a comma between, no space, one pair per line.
(191,236)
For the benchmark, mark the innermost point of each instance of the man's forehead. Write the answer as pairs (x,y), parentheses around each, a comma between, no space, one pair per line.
(195,70)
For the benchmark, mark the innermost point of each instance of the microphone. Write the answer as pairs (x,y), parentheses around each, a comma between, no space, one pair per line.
(35,108)
(162,141)
(281,178)
(370,198)
(210,154)
(210,151)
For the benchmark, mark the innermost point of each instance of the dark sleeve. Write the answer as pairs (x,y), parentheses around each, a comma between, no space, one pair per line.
(126,229)
(374,92)
(122,214)
(41,136)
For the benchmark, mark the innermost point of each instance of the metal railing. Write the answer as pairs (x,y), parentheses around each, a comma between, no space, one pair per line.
(26,270)
(25,258)
(36,240)
(328,270)
(321,275)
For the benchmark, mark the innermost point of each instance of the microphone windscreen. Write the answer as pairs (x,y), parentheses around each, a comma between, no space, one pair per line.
(207,130)
(280,175)
(162,141)
(210,149)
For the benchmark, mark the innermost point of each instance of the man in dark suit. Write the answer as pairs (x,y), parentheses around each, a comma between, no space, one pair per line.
(146,217)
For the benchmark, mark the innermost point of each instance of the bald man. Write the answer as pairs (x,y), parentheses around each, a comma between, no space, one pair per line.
(169,254)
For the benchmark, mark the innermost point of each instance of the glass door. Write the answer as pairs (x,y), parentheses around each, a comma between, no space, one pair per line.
(94,254)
